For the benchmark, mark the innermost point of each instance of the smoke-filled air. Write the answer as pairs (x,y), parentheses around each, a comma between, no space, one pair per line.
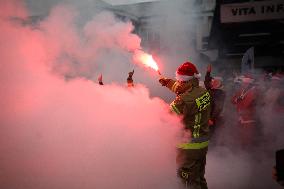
(61,129)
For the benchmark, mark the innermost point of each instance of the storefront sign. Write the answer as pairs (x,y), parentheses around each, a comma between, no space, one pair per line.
(252,11)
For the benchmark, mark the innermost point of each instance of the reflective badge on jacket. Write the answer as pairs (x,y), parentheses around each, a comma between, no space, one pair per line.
(203,101)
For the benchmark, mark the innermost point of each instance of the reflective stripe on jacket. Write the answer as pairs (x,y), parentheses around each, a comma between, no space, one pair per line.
(195,143)
(192,146)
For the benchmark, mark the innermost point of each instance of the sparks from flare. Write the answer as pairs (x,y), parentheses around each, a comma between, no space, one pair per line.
(146,59)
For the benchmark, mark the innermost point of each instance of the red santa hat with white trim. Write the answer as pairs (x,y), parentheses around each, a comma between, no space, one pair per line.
(187,71)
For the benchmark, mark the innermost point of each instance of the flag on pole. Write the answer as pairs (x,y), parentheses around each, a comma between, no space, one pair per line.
(248,61)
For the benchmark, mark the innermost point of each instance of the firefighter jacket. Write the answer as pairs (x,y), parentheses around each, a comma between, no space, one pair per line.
(195,106)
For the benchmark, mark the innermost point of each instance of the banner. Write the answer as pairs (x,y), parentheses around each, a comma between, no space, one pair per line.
(248,61)
(252,11)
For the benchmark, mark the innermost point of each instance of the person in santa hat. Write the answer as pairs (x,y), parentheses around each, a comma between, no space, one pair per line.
(245,101)
(193,103)
(180,85)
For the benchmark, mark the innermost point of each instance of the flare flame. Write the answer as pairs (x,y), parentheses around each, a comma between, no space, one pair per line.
(146,59)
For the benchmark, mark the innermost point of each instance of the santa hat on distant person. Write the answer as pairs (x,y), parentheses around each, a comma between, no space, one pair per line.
(246,79)
(187,71)
(217,83)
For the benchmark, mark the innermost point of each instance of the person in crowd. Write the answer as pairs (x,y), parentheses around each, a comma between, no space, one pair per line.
(130,79)
(216,89)
(245,101)
(193,103)
(100,79)
(278,170)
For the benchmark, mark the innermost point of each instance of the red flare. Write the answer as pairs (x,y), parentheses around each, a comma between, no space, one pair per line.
(146,59)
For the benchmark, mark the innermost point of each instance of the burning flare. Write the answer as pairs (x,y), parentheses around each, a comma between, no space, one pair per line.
(146,59)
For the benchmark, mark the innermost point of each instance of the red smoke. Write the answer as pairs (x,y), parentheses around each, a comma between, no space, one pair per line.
(76,134)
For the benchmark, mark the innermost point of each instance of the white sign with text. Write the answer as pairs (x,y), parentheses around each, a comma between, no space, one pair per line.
(252,11)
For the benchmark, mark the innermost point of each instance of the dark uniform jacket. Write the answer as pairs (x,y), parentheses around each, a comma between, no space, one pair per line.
(217,98)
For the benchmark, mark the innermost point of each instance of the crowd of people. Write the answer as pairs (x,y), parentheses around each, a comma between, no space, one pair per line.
(202,108)
(129,79)
(202,102)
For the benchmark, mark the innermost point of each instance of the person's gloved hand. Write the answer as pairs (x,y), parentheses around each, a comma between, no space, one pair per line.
(164,81)
(130,74)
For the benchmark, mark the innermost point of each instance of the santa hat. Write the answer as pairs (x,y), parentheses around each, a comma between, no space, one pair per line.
(243,79)
(217,83)
(187,71)
(248,79)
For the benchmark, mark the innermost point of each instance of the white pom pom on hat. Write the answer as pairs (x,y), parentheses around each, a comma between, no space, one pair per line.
(187,71)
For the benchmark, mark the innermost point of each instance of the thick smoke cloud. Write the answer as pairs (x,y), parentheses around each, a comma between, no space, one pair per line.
(58,133)
(176,26)
(103,42)
(59,129)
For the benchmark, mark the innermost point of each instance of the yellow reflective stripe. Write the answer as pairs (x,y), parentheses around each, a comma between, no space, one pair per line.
(187,146)
(198,103)
(174,87)
(196,125)
(174,108)
(196,131)
(196,119)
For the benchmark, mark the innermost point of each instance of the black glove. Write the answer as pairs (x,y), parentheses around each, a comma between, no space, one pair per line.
(131,73)
(164,81)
